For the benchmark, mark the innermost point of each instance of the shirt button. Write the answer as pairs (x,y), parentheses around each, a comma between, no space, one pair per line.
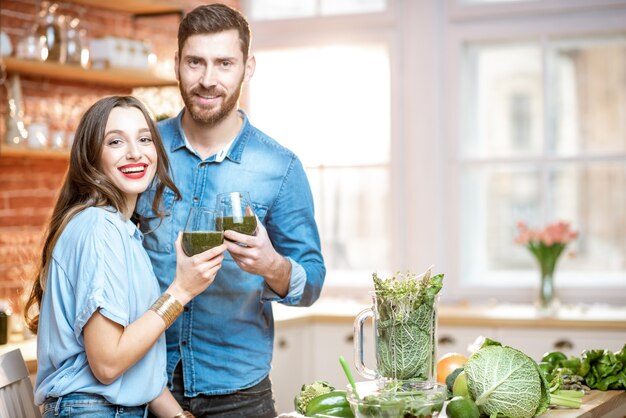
(195,199)
(184,343)
(186,309)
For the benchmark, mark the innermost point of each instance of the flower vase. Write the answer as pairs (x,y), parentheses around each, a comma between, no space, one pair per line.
(546,245)
(547,300)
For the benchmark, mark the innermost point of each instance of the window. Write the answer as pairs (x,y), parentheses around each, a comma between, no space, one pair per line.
(451,121)
(289,9)
(330,103)
(542,138)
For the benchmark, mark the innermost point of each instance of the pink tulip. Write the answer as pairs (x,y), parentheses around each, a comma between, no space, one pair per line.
(556,233)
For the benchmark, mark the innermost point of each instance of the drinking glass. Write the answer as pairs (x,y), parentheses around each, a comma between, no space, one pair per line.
(202,231)
(236,212)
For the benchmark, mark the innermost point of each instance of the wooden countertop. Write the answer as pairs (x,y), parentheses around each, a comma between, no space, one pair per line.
(596,404)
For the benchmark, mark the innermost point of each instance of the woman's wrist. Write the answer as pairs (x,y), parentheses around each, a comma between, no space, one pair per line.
(179,293)
(184,414)
(168,308)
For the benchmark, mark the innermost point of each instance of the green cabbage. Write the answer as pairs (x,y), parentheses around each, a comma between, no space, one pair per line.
(406,306)
(506,382)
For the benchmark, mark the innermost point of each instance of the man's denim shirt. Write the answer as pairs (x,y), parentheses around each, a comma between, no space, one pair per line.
(225,335)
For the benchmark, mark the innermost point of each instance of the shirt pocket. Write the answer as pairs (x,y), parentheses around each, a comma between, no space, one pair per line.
(259,210)
(159,233)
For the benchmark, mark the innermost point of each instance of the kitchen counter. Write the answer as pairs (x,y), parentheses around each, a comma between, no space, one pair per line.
(596,404)
(505,315)
(583,317)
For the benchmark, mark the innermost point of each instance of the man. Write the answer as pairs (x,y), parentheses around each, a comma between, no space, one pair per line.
(220,349)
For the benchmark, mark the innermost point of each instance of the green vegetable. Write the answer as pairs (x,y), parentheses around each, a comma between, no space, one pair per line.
(572,363)
(462,407)
(332,403)
(381,407)
(452,377)
(546,368)
(561,372)
(406,324)
(505,381)
(603,369)
(402,400)
(554,358)
(460,385)
(309,392)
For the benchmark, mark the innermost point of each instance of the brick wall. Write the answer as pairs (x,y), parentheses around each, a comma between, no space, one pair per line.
(29,185)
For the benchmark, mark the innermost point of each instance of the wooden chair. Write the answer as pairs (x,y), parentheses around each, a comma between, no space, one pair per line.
(16,390)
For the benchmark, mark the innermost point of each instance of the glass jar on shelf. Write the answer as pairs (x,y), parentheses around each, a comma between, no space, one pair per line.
(36,123)
(51,28)
(76,44)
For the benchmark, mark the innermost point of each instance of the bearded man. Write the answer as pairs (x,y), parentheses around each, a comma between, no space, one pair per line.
(220,348)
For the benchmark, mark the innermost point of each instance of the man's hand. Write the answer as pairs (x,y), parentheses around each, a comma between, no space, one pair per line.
(255,254)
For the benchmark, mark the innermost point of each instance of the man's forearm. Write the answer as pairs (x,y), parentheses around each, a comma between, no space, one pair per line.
(279,276)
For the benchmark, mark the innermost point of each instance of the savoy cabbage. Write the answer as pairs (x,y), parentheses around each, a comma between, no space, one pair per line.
(407,317)
(506,382)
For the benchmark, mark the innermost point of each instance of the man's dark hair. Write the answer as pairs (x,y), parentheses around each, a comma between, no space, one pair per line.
(214,18)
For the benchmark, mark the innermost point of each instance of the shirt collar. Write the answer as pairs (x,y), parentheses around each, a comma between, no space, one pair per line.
(232,151)
(129,225)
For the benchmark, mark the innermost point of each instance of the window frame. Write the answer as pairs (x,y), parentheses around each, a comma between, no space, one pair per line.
(426,39)
(512,22)
(366,28)
(466,11)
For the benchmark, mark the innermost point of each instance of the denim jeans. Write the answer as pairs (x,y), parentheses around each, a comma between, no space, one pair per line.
(89,406)
(254,402)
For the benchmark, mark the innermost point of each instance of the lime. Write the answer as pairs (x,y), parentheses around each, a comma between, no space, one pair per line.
(459,388)
(462,407)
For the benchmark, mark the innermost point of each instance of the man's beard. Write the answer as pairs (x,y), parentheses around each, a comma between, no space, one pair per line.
(213,115)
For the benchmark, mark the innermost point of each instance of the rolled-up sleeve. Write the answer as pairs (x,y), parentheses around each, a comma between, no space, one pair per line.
(102,283)
(291,226)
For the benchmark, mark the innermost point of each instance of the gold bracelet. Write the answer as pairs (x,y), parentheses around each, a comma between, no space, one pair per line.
(168,308)
(184,414)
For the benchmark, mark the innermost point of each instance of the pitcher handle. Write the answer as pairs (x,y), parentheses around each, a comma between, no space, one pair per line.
(358,344)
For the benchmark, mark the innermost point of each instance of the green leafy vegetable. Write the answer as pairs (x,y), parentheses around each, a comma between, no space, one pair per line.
(504,381)
(603,369)
(406,324)
(401,400)
(561,372)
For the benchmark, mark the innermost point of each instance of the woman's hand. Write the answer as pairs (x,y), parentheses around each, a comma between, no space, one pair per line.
(165,406)
(194,274)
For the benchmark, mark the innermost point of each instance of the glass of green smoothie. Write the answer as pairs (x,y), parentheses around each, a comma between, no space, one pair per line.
(236,212)
(202,231)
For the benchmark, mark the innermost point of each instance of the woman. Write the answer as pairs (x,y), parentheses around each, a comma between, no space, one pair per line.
(100,346)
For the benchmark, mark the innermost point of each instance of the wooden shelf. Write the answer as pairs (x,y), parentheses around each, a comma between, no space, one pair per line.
(10,152)
(109,77)
(136,7)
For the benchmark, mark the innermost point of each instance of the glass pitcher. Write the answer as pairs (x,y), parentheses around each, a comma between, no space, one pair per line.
(405,337)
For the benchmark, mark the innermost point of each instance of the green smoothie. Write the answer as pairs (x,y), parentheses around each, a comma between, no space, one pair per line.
(199,241)
(245,225)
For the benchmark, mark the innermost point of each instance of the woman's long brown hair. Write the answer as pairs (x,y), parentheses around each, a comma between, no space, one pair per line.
(85,186)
